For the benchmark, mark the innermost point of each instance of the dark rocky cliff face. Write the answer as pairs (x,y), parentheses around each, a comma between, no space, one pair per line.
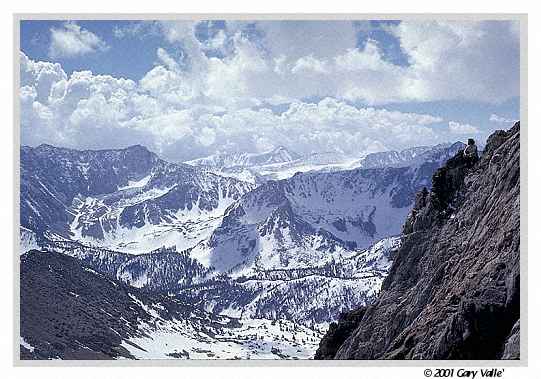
(453,290)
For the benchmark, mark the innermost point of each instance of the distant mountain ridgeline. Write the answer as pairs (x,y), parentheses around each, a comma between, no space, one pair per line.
(129,200)
(281,163)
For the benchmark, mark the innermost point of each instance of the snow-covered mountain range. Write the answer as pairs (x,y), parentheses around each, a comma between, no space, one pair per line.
(302,248)
(125,199)
(315,216)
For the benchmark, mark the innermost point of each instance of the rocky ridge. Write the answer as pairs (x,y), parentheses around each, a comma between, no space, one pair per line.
(453,291)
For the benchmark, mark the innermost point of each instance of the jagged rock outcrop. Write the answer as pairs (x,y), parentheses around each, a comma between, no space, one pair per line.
(512,345)
(338,333)
(453,290)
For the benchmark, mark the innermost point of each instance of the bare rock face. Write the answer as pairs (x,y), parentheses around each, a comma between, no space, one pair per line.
(338,333)
(453,290)
(512,345)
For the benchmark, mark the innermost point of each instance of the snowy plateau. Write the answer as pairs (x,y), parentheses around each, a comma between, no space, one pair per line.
(232,256)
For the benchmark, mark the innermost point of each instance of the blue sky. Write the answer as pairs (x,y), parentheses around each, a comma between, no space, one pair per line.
(129,57)
(192,88)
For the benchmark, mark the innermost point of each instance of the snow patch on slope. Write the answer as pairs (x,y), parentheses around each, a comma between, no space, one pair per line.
(249,339)
(28,240)
(26,344)
(136,183)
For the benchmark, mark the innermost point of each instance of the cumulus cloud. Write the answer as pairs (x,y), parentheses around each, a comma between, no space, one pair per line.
(328,125)
(98,111)
(476,61)
(194,103)
(458,128)
(167,60)
(471,61)
(71,40)
(320,39)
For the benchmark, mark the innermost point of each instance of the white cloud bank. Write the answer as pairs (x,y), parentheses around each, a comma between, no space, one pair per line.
(472,61)
(96,111)
(200,104)
(71,40)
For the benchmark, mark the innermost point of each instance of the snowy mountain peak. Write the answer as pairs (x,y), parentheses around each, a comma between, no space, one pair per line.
(281,154)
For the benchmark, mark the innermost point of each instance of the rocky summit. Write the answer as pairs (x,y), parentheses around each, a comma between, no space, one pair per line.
(453,291)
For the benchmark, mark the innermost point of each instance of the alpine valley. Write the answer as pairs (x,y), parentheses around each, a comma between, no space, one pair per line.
(232,256)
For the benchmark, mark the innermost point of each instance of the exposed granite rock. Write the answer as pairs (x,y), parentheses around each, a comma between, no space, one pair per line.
(338,332)
(512,345)
(453,290)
